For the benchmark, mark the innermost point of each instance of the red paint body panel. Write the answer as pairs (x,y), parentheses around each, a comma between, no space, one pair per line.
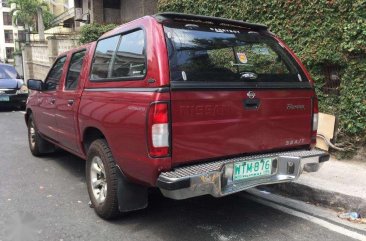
(67,106)
(211,124)
(205,124)
(45,114)
(122,119)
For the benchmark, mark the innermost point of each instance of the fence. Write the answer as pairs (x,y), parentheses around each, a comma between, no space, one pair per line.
(39,56)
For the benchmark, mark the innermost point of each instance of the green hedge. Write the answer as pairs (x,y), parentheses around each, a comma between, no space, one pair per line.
(91,32)
(322,33)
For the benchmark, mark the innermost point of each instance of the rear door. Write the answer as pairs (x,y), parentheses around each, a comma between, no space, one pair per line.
(68,100)
(234,91)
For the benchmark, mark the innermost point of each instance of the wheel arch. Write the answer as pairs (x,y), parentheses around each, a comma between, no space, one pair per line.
(91,134)
(131,196)
(27,115)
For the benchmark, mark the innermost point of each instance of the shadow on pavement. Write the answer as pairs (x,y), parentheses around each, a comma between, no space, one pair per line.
(201,218)
(73,164)
(9,109)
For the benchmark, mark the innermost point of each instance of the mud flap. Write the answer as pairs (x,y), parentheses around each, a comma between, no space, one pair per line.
(130,196)
(45,147)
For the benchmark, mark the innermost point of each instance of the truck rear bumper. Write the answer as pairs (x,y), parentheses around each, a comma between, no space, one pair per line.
(216,178)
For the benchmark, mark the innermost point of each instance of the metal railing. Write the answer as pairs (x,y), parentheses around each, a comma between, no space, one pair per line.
(70,13)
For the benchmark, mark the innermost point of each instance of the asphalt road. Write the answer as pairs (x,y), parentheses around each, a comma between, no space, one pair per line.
(46,199)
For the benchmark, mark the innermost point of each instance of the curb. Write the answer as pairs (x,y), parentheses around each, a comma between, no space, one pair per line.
(329,199)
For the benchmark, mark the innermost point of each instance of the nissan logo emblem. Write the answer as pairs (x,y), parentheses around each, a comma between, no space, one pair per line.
(251,94)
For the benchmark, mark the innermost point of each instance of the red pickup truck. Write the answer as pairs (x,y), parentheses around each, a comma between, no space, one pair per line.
(192,105)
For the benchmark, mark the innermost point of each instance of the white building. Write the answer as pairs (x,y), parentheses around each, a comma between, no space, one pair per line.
(9,33)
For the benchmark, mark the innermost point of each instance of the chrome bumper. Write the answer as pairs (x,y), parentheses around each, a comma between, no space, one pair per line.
(216,178)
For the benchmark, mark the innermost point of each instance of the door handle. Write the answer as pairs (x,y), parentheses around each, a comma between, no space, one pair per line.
(251,104)
(70,102)
(52,101)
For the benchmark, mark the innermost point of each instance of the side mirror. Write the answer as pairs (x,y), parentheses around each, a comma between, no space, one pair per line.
(35,84)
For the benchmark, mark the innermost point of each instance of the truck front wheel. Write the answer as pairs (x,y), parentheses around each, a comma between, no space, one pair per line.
(37,144)
(102,179)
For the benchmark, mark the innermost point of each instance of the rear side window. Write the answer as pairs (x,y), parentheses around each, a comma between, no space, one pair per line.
(55,73)
(73,75)
(120,57)
(130,56)
(103,57)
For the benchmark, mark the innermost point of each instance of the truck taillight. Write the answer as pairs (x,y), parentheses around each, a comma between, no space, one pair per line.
(158,130)
(314,128)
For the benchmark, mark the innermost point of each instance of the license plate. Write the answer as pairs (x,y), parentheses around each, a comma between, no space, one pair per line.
(4,98)
(252,168)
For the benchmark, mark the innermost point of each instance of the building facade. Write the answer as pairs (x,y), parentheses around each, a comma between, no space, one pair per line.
(104,11)
(10,35)
(38,56)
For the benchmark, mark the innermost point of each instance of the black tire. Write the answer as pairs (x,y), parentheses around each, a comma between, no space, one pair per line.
(22,107)
(108,207)
(37,145)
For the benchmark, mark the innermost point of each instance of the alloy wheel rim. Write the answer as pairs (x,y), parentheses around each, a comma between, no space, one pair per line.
(98,180)
(32,135)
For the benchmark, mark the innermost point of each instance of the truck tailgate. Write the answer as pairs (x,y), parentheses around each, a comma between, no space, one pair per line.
(212,124)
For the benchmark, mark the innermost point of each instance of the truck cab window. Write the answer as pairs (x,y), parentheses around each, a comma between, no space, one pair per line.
(130,56)
(103,57)
(73,75)
(55,73)
(121,57)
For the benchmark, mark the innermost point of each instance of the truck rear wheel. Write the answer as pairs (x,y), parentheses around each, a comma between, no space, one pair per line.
(37,144)
(102,180)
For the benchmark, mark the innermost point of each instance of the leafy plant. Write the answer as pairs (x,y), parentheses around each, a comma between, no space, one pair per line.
(322,33)
(91,32)
(32,13)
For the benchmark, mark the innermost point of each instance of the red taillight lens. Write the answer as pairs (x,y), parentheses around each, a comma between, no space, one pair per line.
(314,128)
(158,130)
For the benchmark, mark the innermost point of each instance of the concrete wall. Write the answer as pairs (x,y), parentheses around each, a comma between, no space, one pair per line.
(97,13)
(18,64)
(132,9)
(129,10)
(38,57)
(151,7)
(112,15)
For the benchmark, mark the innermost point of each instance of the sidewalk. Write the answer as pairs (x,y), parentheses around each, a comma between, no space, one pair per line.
(340,185)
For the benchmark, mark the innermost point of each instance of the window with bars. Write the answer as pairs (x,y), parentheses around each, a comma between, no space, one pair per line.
(5,4)
(332,79)
(7,18)
(21,36)
(9,36)
(9,52)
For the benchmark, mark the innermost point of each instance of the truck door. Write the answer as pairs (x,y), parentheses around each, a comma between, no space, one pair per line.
(68,99)
(46,121)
